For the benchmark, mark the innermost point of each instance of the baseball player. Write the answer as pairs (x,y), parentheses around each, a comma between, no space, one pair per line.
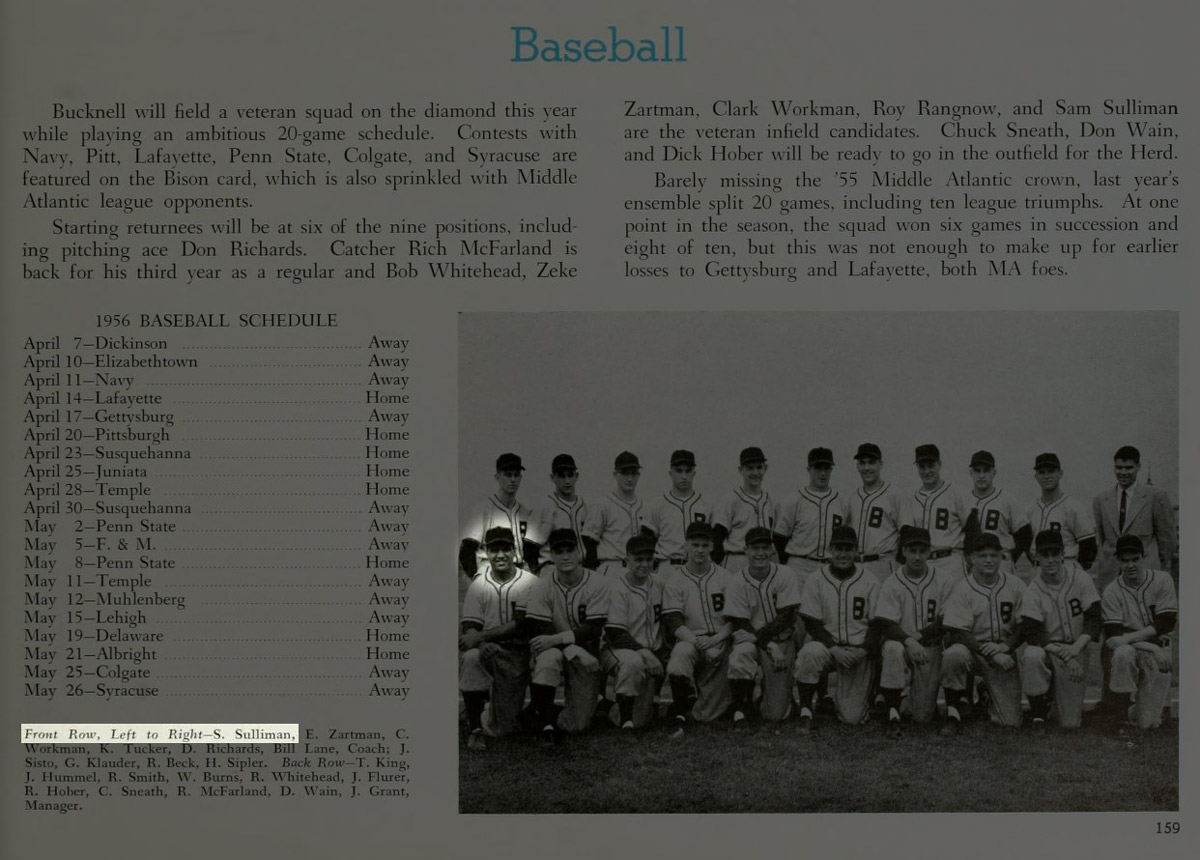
(835,605)
(563,508)
(502,509)
(908,613)
(493,658)
(693,613)
(1059,615)
(746,507)
(761,606)
(617,517)
(982,636)
(996,512)
(677,509)
(805,524)
(1140,610)
(634,653)
(940,508)
(1056,510)
(565,619)
(877,514)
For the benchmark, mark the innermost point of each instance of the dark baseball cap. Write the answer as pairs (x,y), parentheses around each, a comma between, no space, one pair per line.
(562,537)
(561,462)
(699,530)
(1048,539)
(639,543)
(868,451)
(508,463)
(759,534)
(843,535)
(1046,460)
(626,460)
(683,458)
(987,540)
(1128,452)
(910,535)
(982,458)
(927,453)
(498,535)
(820,457)
(751,455)
(1130,543)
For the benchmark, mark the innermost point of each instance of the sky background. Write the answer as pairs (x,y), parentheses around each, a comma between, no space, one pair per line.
(1015,383)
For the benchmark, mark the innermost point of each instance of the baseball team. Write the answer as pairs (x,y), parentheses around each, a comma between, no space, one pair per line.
(743,609)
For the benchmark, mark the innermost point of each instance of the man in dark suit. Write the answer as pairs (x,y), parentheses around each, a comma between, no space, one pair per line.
(1135,509)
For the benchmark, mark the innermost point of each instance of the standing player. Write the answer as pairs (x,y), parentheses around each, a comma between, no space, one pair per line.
(997,512)
(617,517)
(982,637)
(501,509)
(761,605)
(940,508)
(565,619)
(835,605)
(748,506)
(1059,615)
(1055,510)
(1140,610)
(877,514)
(677,509)
(561,509)
(908,612)
(634,651)
(807,522)
(693,602)
(493,658)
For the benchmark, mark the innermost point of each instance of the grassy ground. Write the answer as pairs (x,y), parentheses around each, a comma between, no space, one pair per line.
(839,768)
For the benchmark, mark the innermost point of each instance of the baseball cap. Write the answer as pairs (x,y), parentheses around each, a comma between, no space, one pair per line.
(1128,452)
(1049,539)
(1130,543)
(987,540)
(759,534)
(868,451)
(751,455)
(698,530)
(561,462)
(626,460)
(927,453)
(983,458)
(683,457)
(1046,460)
(843,535)
(820,457)
(639,543)
(498,535)
(508,463)
(562,537)
(914,534)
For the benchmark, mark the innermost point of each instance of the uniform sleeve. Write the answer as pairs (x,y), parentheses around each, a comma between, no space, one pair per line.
(785,519)
(1111,604)
(737,604)
(789,588)
(959,614)
(810,598)
(1084,526)
(887,603)
(1017,515)
(538,607)
(1164,598)
(593,526)
(654,521)
(1030,606)
(540,523)
(674,595)
(618,608)
(473,608)
(1087,589)
(597,607)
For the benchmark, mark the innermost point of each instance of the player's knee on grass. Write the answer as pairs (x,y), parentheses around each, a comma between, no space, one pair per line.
(812,662)
(743,662)
(547,667)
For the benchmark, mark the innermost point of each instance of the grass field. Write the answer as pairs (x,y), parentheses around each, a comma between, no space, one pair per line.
(719,768)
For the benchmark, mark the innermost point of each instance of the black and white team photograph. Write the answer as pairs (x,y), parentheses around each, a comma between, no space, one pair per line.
(818,562)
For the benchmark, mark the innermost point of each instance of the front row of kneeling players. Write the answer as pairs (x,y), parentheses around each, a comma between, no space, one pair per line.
(719,636)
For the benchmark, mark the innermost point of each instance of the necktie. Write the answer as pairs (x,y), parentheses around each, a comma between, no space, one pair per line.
(1121,521)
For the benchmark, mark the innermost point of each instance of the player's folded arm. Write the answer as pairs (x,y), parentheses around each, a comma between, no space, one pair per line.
(887,630)
(1033,631)
(931,634)
(620,639)
(816,630)
(784,619)
(1093,621)
(534,626)
(1164,622)
(954,636)
(672,622)
(588,633)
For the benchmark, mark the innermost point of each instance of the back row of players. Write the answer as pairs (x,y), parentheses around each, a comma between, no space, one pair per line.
(721,634)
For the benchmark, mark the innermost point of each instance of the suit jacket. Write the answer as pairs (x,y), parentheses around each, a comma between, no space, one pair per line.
(1148,515)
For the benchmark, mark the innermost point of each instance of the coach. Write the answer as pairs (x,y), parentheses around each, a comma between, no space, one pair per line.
(1135,509)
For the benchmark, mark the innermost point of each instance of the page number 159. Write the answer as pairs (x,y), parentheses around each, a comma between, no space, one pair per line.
(1167,827)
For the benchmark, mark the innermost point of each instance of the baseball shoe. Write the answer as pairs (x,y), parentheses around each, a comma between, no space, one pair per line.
(680,723)
(476,741)
(806,722)
(893,729)
(548,735)
(739,718)
(628,732)
(1039,727)
(951,728)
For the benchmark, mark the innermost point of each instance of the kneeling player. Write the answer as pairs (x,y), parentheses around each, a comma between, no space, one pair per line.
(1140,609)
(634,652)
(565,618)
(908,613)
(693,602)
(981,637)
(493,656)
(1059,615)
(835,604)
(761,605)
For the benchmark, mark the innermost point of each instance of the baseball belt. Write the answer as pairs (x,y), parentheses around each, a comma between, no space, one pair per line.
(869,557)
(941,553)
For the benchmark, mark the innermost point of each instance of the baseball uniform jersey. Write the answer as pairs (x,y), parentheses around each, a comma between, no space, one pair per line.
(699,599)
(1067,516)
(491,602)
(808,520)
(739,512)
(669,518)
(943,512)
(568,606)
(759,600)
(1135,666)
(1002,515)
(843,606)
(611,522)
(493,513)
(1061,609)
(637,609)
(914,604)
(554,512)
(877,516)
